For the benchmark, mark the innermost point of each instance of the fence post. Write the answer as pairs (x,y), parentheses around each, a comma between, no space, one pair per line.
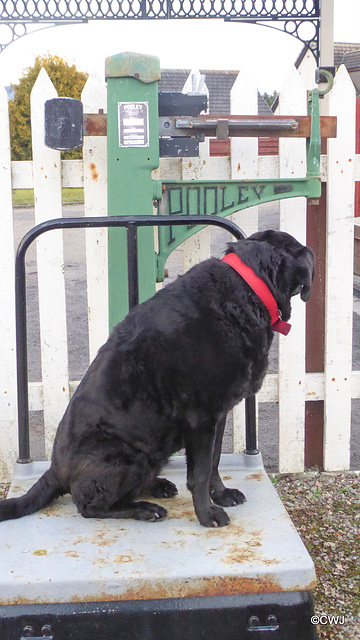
(244,165)
(339,275)
(197,247)
(95,190)
(50,264)
(244,151)
(8,407)
(292,162)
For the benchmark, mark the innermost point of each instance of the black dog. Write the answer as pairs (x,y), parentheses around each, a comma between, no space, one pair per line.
(165,379)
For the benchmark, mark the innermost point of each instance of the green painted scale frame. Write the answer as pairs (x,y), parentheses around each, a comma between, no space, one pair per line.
(132,79)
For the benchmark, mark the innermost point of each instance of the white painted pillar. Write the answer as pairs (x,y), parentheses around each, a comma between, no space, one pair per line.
(327,33)
(244,165)
(244,151)
(50,264)
(95,194)
(339,275)
(197,247)
(292,163)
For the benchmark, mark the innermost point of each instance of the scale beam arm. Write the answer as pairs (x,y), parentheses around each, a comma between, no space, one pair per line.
(245,126)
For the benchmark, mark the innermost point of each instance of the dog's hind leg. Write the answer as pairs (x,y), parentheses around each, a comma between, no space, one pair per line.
(105,496)
(160,488)
(220,494)
(141,510)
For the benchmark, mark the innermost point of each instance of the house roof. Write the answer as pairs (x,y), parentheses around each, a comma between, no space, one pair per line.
(219,84)
(351,60)
(347,53)
(342,51)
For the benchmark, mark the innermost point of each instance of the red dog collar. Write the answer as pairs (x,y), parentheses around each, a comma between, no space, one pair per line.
(261,290)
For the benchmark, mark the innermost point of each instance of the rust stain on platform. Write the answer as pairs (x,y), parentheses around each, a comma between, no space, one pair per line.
(255,476)
(197,587)
(72,554)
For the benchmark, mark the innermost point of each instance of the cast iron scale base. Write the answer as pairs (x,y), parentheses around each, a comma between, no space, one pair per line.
(66,577)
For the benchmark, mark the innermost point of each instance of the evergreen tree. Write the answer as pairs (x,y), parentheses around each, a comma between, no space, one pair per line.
(68,82)
(269,97)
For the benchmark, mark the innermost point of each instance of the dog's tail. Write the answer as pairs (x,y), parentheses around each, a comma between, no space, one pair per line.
(46,489)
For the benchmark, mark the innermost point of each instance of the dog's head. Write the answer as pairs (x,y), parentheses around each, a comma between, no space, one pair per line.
(285,265)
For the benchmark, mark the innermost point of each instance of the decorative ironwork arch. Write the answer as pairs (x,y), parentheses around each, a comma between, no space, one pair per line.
(298,18)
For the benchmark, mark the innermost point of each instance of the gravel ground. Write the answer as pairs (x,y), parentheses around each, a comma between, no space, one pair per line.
(324,507)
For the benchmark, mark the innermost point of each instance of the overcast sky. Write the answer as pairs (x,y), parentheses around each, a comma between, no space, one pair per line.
(266,53)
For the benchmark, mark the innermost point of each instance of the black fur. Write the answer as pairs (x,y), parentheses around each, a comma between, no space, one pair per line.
(165,379)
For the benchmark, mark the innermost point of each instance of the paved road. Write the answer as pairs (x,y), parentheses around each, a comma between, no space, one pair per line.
(75,278)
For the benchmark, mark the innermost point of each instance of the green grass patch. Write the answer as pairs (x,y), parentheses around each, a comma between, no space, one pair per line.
(25,197)
(70,196)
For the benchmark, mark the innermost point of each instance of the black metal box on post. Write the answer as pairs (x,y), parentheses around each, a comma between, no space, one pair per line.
(175,103)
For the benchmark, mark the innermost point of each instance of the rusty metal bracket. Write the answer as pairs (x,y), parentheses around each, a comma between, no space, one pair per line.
(95,124)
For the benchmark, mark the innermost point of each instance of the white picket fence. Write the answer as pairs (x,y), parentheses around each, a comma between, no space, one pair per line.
(291,387)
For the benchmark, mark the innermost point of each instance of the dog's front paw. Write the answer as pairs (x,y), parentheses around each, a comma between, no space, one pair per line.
(163,488)
(228,497)
(215,517)
(149,511)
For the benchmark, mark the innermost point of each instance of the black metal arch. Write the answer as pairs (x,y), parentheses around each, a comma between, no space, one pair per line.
(299,18)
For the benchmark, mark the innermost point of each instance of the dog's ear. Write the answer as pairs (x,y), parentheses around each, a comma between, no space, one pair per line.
(304,273)
(232,246)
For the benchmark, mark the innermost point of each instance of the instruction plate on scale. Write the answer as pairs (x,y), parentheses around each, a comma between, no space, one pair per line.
(133,124)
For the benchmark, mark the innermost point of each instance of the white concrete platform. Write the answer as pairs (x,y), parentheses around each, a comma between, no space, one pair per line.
(58,556)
